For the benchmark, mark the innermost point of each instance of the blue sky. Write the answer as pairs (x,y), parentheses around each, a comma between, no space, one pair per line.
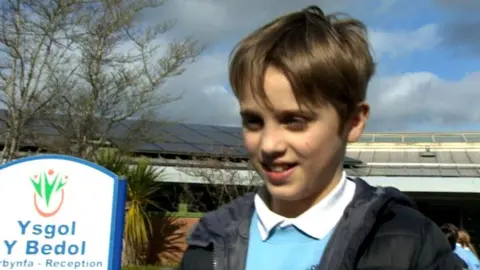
(445,61)
(428,56)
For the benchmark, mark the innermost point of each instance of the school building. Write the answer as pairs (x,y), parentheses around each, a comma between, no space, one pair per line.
(440,171)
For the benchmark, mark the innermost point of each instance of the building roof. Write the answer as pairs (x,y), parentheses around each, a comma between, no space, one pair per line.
(454,137)
(417,156)
(376,154)
(453,162)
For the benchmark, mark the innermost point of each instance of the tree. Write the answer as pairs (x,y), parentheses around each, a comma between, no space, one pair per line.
(143,181)
(122,66)
(34,42)
(111,86)
(223,180)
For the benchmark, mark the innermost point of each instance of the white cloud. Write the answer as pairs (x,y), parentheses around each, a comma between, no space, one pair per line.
(397,43)
(386,5)
(204,97)
(219,20)
(410,100)
(399,102)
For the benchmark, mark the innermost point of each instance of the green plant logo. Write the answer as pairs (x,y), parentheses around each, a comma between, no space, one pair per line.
(49,192)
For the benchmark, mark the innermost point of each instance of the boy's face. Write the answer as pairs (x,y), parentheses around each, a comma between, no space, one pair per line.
(297,152)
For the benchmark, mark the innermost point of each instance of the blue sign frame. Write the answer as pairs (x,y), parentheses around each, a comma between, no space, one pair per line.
(118,204)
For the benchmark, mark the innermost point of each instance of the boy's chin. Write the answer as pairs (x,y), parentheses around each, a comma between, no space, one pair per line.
(284,192)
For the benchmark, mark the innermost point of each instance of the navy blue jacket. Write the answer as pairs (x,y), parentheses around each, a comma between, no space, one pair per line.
(380,229)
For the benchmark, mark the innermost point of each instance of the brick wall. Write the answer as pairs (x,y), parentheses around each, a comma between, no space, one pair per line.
(169,239)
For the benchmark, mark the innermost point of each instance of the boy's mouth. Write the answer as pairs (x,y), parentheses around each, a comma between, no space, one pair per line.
(278,167)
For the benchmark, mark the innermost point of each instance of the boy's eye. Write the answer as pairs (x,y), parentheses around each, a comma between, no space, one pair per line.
(295,123)
(252,123)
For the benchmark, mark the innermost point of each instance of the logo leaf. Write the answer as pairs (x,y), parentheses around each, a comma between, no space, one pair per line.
(49,188)
(45,188)
(37,186)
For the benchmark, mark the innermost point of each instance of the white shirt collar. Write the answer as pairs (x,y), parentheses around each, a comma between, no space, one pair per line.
(317,221)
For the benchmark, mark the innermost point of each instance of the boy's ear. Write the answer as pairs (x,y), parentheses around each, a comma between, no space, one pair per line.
(357,122)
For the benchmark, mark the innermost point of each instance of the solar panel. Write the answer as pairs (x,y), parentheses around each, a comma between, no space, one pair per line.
(229,129)
(129,128)
(237,134)
(220,137)
(473,138)
(165,137)
(448,138)
(44,129)
(417,139)
(215,149)
(388,139)
(197,127)
(234,131)
(241,151)
(179,148)
(197,139)
(221,150)
(174,128)
(123,128)
(186,134)
(148,148)
(119,132)
(366,138)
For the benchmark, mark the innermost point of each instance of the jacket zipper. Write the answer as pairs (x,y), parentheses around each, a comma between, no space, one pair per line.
(214,258)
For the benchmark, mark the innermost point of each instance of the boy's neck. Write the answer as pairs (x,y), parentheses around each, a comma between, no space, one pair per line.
(293,209)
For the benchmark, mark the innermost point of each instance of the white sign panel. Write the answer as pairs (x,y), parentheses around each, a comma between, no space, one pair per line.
(60,212)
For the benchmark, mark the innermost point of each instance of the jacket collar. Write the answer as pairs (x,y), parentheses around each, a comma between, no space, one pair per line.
(317,221)
(216,226)
(358,219)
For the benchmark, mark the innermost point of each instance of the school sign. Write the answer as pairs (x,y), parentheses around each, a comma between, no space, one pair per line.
(60,212)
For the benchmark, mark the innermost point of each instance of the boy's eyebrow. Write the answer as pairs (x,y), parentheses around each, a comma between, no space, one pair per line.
(293,111)
(249,112)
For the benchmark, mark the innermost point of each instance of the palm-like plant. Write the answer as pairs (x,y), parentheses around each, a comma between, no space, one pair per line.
(113,160)
(143,183)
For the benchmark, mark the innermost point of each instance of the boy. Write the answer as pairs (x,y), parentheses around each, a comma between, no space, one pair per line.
(301,83)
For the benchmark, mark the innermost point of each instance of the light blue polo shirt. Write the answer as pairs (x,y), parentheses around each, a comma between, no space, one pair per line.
(287,249)
(279,243)
(468,257)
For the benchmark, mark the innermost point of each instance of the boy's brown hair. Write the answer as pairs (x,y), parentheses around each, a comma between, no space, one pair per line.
(325,58)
